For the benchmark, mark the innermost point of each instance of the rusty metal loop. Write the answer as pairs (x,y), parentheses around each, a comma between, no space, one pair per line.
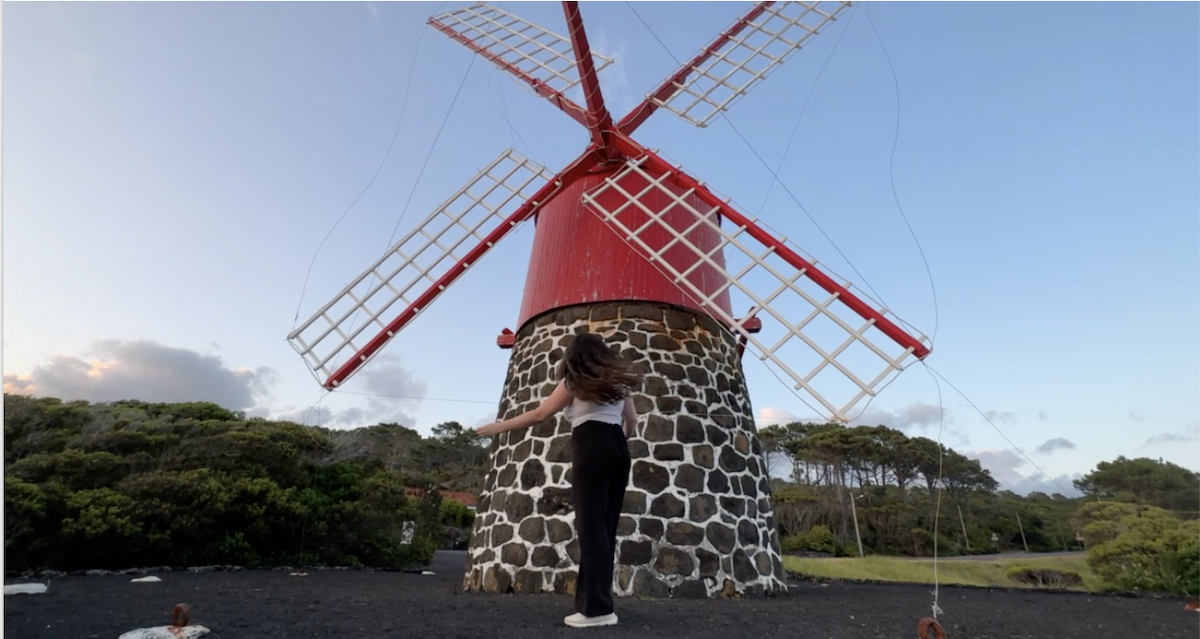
(181,615)
(926,625)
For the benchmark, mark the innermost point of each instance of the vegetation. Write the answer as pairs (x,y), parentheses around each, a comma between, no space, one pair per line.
(895,482)
(1060,572)
(131,483)
(1137,519)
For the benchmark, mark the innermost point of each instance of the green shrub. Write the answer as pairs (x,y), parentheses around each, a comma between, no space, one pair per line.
(1150,551)
(455,514)
(819,538)
(1186,570)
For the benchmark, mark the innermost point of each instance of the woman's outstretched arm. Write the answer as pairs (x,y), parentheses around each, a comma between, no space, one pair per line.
(629,417)
(557,401)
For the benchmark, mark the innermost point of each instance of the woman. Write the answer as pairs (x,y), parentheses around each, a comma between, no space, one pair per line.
(595,391)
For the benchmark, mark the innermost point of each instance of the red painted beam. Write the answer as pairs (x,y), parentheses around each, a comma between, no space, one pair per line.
(565,178)
(557,99)
(752,325)
(599,120)
(640,113)
(685,181)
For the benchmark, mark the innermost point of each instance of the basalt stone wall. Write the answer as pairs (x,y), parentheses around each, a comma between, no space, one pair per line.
(697,519)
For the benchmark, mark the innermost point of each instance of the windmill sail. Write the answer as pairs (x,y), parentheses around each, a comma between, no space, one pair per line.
(538,57)
(747,52)
(835,347)
(334,342)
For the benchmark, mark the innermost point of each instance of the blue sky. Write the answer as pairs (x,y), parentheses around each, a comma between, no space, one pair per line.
(171,168)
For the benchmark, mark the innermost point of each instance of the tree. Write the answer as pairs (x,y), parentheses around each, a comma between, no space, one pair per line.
(1144,481)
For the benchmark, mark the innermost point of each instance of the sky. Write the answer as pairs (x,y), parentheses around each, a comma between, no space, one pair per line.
(173,170)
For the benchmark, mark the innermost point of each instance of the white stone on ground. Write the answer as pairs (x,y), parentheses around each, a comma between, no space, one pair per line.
(166,632)
(145,580)
(24,589)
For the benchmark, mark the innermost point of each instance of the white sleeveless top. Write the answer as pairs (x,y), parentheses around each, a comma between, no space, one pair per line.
(580,411)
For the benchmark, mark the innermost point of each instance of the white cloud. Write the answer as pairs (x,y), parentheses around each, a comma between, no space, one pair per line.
(614,82)
(1004,465)
(373,9)
(144,370)
(1003,417)
(1043,416)
(917,414)
(770,416)
(1135,416)
(481,421)
(1167,439)
(310,416)
(1058,443)
(394,394)
(386,392)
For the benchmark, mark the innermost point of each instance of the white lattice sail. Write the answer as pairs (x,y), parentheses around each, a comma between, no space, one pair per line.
(828,343)
(747,57)
(514,44)
(414,264)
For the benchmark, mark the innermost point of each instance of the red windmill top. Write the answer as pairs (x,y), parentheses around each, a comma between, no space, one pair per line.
(620,223)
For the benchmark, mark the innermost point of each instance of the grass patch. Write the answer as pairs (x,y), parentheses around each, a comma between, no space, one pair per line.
(951,571)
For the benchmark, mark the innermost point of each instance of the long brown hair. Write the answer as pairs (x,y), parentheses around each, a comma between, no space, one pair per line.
(593,373)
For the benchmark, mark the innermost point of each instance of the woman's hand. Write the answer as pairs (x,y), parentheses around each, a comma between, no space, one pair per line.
(557,401)
(488,430)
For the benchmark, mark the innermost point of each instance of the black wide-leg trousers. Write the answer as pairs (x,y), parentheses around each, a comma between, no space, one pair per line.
(599,476)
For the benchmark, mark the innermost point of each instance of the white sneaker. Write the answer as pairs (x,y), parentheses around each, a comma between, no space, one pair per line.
(577,620)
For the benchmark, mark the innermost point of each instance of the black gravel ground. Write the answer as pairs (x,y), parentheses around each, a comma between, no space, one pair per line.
(271,604)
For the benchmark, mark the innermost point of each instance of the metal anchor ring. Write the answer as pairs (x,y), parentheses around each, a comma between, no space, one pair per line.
(928,624)
(181,615)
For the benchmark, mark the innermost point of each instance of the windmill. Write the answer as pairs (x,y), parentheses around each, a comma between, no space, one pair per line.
(630,246)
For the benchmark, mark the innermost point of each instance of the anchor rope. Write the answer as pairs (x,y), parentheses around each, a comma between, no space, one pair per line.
(387,154)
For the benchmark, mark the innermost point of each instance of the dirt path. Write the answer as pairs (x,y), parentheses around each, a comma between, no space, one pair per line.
(374,605)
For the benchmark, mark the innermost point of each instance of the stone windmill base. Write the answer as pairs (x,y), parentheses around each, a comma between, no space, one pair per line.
(697,516)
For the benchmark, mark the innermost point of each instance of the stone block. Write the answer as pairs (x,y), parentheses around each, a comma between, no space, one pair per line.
(668,452)
(545,557)
(682,533)
(667,506)
(646,584)
(514,554)
(518,507)
(639,311)
(689,477)
(635,553)
(650,477)
(529,582)
(721,536)
(532,530)
(533,474)
(558,530)
(651,527)
(731,461)
(702,507)
(501,533)
(673,561)
(690,589)
(635,502)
